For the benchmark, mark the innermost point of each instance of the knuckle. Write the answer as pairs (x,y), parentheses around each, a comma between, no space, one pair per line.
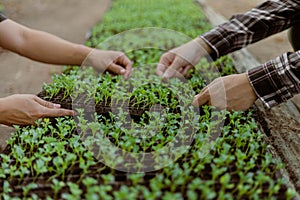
(41,113)
(36,115)
(49,105)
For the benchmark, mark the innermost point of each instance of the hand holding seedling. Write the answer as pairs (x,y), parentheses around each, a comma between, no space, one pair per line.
(47,48)
(113,61)
(177,62)
(26,109)
(232,92)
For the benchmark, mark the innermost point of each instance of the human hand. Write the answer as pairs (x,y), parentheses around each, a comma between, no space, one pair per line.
(113,61)
(177,62)
(233,92)
(26,109)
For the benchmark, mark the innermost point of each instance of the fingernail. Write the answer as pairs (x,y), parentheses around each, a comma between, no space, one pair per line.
(168,74)
(56,105)
(122,71)
(165,76)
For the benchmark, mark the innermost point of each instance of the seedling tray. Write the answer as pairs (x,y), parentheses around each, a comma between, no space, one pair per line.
(102,108)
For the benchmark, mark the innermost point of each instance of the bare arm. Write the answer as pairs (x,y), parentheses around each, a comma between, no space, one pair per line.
(47,48)
(40,46)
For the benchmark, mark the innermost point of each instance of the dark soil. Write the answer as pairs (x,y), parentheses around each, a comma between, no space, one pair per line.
(283,133)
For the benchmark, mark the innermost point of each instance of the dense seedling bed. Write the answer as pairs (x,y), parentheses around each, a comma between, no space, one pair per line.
(225,156)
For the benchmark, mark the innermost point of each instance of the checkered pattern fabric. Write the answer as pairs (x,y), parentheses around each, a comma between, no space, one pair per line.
(277,80)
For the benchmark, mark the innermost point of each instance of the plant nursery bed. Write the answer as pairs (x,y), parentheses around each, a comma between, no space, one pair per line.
(179,151)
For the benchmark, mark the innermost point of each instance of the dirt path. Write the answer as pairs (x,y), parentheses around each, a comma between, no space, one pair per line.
(69,19)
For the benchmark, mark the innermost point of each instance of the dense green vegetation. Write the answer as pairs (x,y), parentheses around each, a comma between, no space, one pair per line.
(1,8)
(223,155)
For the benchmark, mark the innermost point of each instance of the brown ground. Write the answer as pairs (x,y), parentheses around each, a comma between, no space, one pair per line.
(69,19)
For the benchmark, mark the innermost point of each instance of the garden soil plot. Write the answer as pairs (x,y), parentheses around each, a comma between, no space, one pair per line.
(104,176)
(283,133)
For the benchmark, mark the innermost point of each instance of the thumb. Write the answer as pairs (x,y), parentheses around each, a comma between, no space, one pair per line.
(116,69)
(201,98)
(160,69)
(172,70)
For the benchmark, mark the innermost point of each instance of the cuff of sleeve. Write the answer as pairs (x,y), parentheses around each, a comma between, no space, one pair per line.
(273,81)
(215,54)
(221,40)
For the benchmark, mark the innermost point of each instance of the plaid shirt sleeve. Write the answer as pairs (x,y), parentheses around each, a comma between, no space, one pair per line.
(277,80)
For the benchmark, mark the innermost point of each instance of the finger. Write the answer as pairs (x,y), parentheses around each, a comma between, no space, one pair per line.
(201,98)
(180,70)
(129,69)
(166,59)
(178,73)
(186,70)
(57,112)
(171,71)
(125,62)
(160,69)
(164,62)
(129,73)
(46,104)
(116,69)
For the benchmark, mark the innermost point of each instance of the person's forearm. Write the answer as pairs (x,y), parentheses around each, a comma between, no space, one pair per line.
(207,50)
(277,80)
(47,48)
(39,45)
(266,19)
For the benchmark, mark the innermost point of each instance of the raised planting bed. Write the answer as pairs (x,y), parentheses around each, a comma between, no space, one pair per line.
(141,138)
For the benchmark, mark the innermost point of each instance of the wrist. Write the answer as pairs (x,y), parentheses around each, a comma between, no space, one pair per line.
(81,53)
(248,85)
(205,48)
